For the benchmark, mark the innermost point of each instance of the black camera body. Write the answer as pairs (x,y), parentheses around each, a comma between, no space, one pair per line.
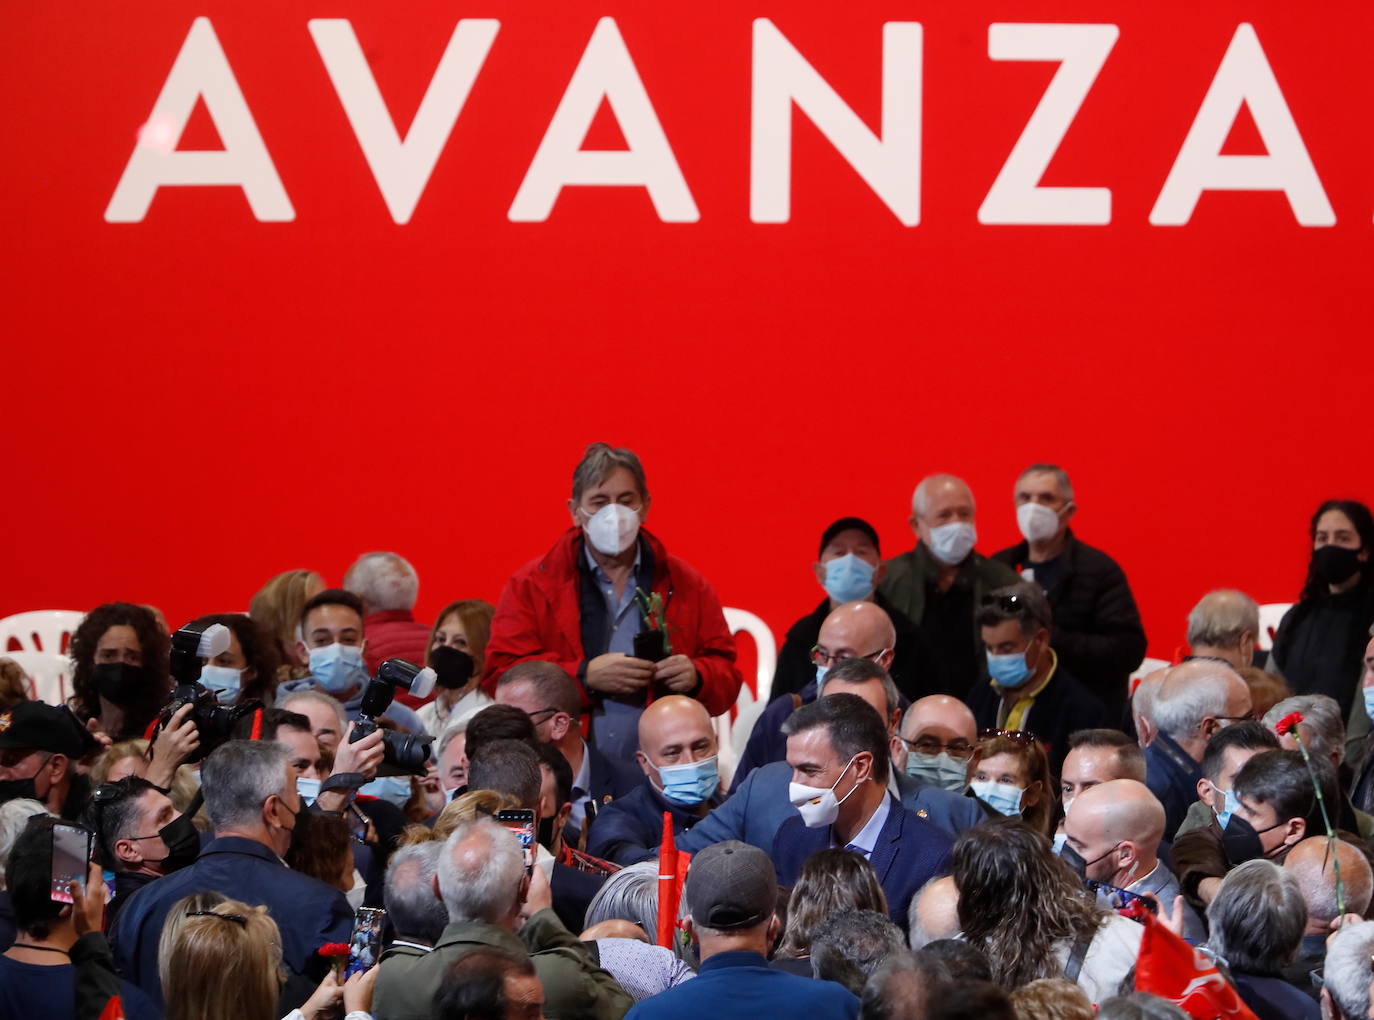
(402,754)
(215,723)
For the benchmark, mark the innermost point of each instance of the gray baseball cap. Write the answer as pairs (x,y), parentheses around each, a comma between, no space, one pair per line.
(731,885)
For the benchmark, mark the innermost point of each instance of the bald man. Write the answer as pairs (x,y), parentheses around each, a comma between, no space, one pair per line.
(678,757)
(1224,626)
(1112,834)
(940,584)
(939,740)
(1310,863)
(855,630)
(934,913)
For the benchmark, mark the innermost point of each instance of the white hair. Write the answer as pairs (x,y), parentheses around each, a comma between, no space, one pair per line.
(920,499)
(446,738)
(1323,729)
(239,776)
(383,580)
(14,818)
(1346,973)
(409,891)
(1258,917)
(1221,618)
(487,892)
(313,694)
(1178,710)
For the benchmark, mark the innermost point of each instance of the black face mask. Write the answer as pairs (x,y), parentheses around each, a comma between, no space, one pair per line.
(1241,841)
(452,667)
(1075,860)
(120,682)
(1335,564)
(13,789)
(545,833)
(183,844)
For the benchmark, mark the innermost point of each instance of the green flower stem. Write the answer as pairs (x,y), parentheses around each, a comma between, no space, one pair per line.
(1326,820)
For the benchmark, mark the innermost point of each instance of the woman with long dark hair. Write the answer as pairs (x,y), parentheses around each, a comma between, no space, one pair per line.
(120,668)
(1320,642)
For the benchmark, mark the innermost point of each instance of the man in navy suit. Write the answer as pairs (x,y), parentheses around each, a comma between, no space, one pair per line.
(545,692)
(758,807)
(837,748)
(250,794)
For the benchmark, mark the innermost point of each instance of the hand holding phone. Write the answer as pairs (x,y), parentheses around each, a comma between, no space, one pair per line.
(521,822)
(71,859)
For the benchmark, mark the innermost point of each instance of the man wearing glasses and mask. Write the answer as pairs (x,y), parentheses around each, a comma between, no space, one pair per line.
(615,610)
(1027,688)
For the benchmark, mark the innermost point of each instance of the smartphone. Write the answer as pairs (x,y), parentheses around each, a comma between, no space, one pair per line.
(71,857)
(1122,899)
(521,822)
(365,944)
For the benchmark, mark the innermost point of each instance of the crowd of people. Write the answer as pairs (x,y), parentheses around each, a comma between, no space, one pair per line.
(963,799)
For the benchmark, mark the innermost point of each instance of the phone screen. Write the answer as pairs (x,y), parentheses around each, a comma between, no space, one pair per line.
(365,944)
(71,854)
(521,822)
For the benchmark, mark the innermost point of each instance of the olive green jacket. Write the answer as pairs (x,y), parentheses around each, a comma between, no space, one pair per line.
(575,988)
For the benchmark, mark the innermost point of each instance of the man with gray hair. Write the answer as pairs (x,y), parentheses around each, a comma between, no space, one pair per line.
(940,584)
(1097,629)
(1349,973)
(1194,701)
(250,795)
(389,586)
(1223,626)
(417,916)
(1311,863)
(847,946)
(619,613)
(489,898)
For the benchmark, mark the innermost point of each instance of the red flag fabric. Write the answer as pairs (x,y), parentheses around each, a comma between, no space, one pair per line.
(114,1009)
(668,892)
(1173,970)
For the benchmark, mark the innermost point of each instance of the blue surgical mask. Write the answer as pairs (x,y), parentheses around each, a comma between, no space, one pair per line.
(1008,671)
(848,578)
(392,789)
(1229,807)
(338,668)
(309,789)
(820,675)
(1003,798)
(1368,693)
(942,770)
(690,784)
(223,681)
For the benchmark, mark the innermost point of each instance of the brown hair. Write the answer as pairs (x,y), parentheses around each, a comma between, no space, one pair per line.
(476,615)
(14,686)
(1266,689)
(830,881)
(276,608)
(1051,999)
(1040,817)
(220,962)
(325,852)
(459,811)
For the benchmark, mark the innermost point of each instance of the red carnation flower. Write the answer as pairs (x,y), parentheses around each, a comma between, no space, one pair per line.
(330,949)
(1288,723)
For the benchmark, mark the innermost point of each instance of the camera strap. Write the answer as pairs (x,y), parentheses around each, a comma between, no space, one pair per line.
(343,781)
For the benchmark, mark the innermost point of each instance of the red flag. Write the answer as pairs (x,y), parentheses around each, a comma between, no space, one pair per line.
(1173,970)
(114,1009)
(672,874)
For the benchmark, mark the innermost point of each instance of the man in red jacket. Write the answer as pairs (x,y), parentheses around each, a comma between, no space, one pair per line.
(577,606)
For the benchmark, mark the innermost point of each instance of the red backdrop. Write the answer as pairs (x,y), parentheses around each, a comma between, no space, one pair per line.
(198,400)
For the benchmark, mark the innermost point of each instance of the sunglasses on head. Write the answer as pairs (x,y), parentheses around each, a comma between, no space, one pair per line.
(1023,737)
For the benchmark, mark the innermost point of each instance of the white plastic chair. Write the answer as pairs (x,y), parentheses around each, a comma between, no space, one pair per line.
(50,673)
(42,630)
(1148,666)
(1271,614)
(732,728)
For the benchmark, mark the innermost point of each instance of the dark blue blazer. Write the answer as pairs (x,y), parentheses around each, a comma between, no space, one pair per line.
(1172,777)
(910,852)
(611,779)
(630,828)
(742,985)
(755,812)
(308,912)
(766,741)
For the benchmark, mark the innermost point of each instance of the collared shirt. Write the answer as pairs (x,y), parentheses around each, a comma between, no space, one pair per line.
(867,837)
(582,789)
(1014,718)
(620,610)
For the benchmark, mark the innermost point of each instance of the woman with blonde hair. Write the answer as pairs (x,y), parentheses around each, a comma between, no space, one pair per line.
(219,959)
(276,608)
(457,653)
(126,758)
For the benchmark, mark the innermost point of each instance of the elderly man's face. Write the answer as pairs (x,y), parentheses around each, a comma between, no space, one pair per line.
(453,763)
(1040,487)
(677,738)
(946,502)
(305,752)
(323,720)
(618,487)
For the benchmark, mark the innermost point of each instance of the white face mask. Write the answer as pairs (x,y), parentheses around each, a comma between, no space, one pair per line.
(308,789)
(951,543)
(612,529)
(1037,522)
(817,804)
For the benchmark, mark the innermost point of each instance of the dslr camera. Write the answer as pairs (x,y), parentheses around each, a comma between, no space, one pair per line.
(215,723)
(402,754)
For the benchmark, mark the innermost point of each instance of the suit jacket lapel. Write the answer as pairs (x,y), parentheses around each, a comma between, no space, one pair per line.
(889,839)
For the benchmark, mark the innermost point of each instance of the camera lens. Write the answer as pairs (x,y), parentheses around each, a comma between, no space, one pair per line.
(405,752)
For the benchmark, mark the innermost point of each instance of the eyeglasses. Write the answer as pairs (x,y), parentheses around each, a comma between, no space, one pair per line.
(959,751)
(820,657)
(238,919)
(539,712)
(1006,603)
(1022,737)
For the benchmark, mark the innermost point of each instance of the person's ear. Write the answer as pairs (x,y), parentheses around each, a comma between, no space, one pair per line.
(573,512)
(879,573)
(524,888)
(1033,795)
(1128,852)
(1070,508)
(690,929)
(1205,790)
(863,767)
(774,928)
(644,509)
(434,883)
(559,725)
(1297,829)
(895,726)
(57,765)
(915,523)
(560,820)
(885,660)
(127,852)
(249,674)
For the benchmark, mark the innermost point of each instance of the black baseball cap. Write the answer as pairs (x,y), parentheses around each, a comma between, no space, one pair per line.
(731,885)
(42,727)
(849,524)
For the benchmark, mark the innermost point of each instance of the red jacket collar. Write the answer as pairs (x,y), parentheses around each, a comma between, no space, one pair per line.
(388,616)
(561,562)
